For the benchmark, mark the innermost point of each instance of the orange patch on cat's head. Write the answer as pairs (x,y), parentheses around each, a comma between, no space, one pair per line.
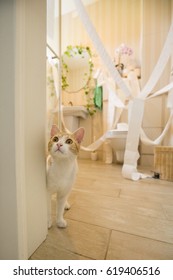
(75,137)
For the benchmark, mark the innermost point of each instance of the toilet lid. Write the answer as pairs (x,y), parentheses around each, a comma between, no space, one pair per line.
(116,133)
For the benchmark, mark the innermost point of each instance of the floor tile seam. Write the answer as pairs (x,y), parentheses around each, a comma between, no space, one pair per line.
(74,252)
(64,249)
(86,223)
(142,236)
(137,215)
(79,254)
(159,204)
(124,211)
(119,193)
(140,214)
(111,229)
(108,243)
(125,231)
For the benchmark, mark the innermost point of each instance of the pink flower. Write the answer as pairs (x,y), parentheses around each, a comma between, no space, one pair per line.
(124,49)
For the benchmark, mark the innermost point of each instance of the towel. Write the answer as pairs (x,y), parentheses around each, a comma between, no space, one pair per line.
(98,97)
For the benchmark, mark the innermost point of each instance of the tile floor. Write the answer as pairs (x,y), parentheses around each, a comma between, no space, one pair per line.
(113,218)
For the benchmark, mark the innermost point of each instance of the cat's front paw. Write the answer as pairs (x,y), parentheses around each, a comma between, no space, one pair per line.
(62,223)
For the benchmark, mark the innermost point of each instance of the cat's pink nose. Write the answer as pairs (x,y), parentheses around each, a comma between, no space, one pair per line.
(59,145)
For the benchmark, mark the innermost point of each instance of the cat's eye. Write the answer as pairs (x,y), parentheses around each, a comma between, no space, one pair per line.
(69,141)
(55,139)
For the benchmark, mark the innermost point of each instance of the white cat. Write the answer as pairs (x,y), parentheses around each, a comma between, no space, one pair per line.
(61,169)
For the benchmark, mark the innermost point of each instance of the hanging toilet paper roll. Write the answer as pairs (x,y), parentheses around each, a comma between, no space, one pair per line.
(131,156)
(130,172)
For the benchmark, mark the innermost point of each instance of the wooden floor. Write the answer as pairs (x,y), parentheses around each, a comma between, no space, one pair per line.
(113,218)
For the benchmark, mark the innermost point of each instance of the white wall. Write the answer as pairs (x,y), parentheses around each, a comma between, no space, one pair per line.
(23,218)
(35,116)
(8,199)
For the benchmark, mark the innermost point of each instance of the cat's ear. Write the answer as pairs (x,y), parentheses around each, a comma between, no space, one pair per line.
(79,134)
(54,130)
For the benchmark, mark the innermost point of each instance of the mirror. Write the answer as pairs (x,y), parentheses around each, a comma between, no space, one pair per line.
(77,68)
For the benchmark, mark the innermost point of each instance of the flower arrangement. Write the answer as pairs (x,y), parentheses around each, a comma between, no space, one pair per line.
(122,54)
(124,49)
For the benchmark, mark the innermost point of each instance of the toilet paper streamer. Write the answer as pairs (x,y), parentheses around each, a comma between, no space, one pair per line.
(94,146)
(99,46)
(167,88)
(129,169)
(158,140)
(130,172)
(131,156)
(134,83)
(160,65)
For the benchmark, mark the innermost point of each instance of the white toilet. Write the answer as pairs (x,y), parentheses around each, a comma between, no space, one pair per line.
(115,143)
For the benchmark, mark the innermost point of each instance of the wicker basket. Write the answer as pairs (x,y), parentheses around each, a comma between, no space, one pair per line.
(163,162)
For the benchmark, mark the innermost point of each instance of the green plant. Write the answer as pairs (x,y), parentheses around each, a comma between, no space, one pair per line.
(72,51)
(89,98)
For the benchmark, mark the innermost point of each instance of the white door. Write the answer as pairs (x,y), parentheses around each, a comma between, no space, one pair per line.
(32,42)
(23,118)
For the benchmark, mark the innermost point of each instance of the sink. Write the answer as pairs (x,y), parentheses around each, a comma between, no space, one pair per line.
(76,111)
(72,115)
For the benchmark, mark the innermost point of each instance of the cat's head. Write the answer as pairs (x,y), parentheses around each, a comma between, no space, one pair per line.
(63,144)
